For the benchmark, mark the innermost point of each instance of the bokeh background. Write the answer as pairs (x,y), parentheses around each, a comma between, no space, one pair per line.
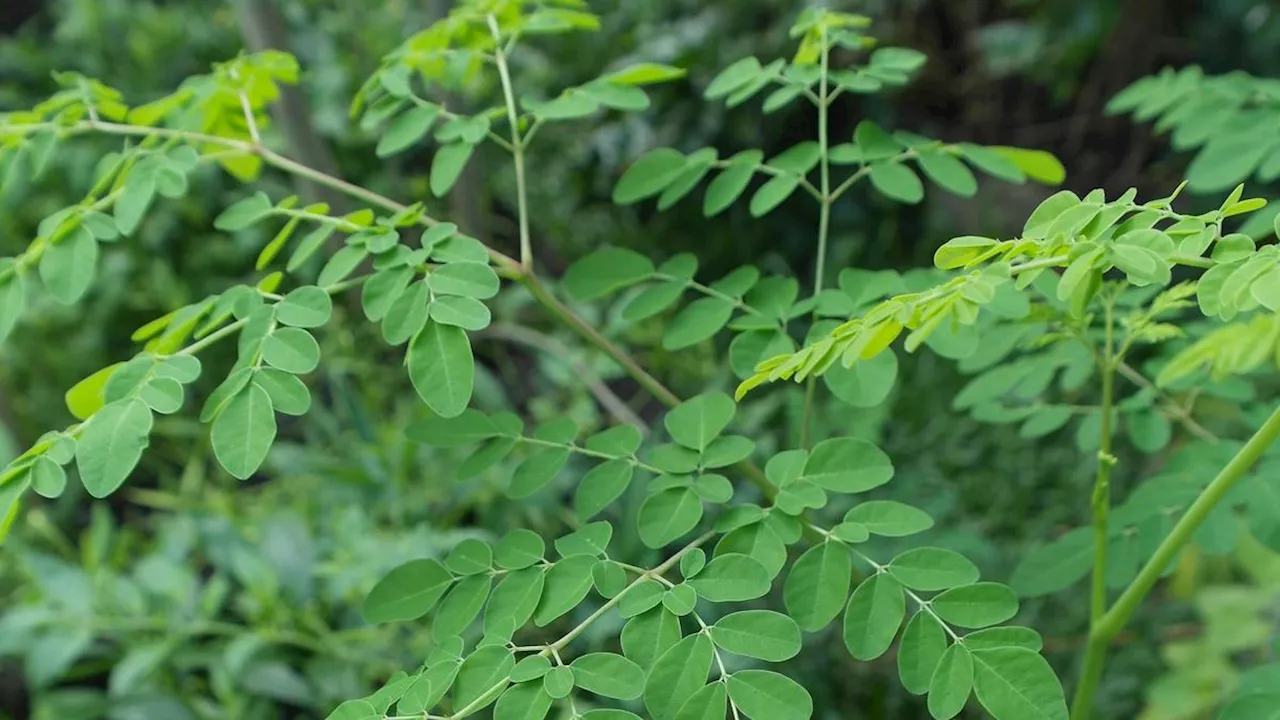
(192,595)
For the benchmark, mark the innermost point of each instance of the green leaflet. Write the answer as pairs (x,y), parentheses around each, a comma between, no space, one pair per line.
(758,540)
(668,515)
(977,605)
(643,596)
(408,314)
(12,303)
(680,600)
(944,169)
(537,471)
(951,683)
(680,672)
(469,557)
(696,322)
(653,300)
(559,682)
(292,350)
(872,618)
(591,539)
(447,166)
(406,593)
(609,675)
(407,129)
(897,182)
(67,267)
(601,486)
(567,583)
(519,548)
(48,479)
(771,194)
(442,368)
(921,648)
(889,518)
(243,431)
(732,578)
(708,703)
(1008,636)
(761,634)
(1017,684)
(731,182)
(468,279)
(243,213)
(606,271)
(649,175)
(648,635)
(867,383)
(468,428)
(531,667)
(818,585)
(515,598)
(306,307)
(692,563)
(461,606)
(696,422)
(610,579)
(288,394)
(111,445)
(355,710)
(767,695)
(931,568)
(528,701)
(848,465)
(1055,566)
(482,676)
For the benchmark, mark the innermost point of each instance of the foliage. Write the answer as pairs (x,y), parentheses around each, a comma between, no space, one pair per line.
(504,619)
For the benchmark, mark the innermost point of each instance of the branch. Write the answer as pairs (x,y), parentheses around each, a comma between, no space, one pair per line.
(517,146)
(554,348)
(507,266)
(1114,621)
(1177,411)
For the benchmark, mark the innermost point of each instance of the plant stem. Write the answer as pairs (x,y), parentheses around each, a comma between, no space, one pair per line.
(1118,616)
(824,222)
(1177,411)
(517,148)
(824,216)
(1101,500)
(591,335)
(1095,654)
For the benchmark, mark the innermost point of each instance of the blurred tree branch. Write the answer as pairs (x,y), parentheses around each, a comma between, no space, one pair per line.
(263,29)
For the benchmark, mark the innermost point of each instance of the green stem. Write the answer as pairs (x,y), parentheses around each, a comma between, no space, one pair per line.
(517,148)
(824,217)
(591,335)
(1101,500)
(824,223)
(1127,604)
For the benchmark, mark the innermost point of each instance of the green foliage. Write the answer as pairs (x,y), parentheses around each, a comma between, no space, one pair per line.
(696,556)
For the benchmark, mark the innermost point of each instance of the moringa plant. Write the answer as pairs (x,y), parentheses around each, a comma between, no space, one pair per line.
(689,630)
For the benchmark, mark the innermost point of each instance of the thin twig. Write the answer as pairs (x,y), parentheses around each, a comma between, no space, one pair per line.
(607,398)
(1177,411)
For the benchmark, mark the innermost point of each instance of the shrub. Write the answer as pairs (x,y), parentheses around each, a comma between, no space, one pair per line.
(1048,320)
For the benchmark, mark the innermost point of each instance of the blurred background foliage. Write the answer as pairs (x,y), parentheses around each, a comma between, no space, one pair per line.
(190,595)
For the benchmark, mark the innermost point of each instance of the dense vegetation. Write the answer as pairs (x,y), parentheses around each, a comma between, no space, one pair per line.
(456,375)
